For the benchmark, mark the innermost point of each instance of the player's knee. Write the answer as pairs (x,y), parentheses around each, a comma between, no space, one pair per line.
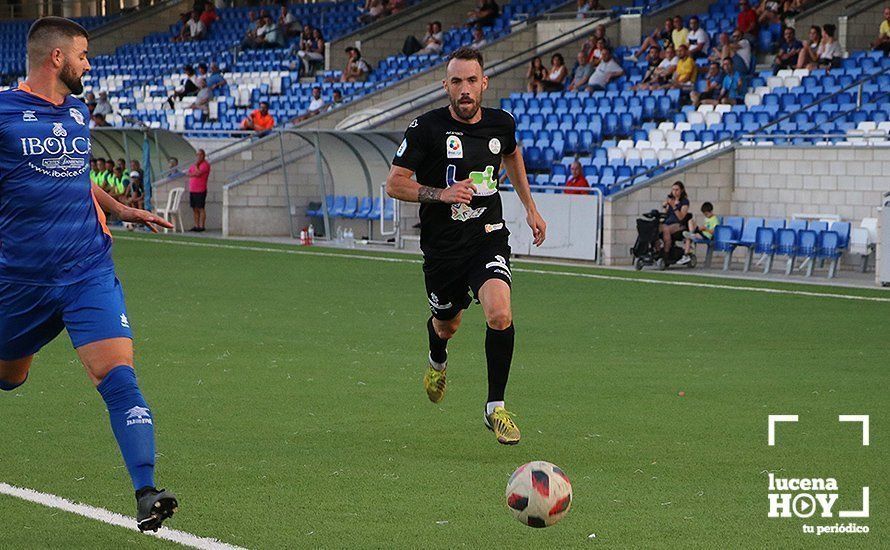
(9,382)
(500,318)
(446,331)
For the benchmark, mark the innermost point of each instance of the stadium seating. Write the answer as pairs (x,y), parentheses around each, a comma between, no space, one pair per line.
(353,208)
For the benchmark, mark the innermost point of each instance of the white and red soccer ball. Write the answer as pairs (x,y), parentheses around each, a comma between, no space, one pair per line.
(539,494)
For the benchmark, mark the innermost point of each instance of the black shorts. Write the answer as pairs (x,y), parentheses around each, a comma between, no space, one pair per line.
(449,282)
(197,200)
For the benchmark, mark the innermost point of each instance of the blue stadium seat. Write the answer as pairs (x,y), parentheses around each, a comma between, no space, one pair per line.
(724,242)
(748,238)
(765,245)
(339,205)
(817,226)
(807,247)
(797,225)
(364,208)
(350,208)
(843,232)
(829,249)
(775,224)
(737,224)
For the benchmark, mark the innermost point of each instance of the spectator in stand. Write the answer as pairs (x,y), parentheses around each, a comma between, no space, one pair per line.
(272,37)
(395,6)
(607,71)
(134,194)
(98,121)
(209,17)
(596,54)
(581,73)
(478,38)
(202,98)
(829,51)
(198,173)
(789,50)
(215,80)
(599,33)
(90,99)
(253,23)
(680,34)
(373,10)
(103,107)
(122,164)
(316,105)
(192,30)
(809,53)
(485,14)
(713,85)
(687,71)
(336,101)
(188,86)
(356,69)
(93,170)
(576,180)
(535,74)
(769,12)
(433,40)
(746,23)
(654,59)
(732,88)
(882,42)
(586,8)
(660,38)
(311,50)
(739,49)
(288,24)
(699,41)
(664,73)
(721,47)
(555,80)
(259,120)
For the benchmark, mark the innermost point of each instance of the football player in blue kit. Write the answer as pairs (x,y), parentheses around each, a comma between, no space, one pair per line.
(56,270)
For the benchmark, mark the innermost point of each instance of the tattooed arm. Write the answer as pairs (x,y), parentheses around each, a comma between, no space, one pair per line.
(399,185)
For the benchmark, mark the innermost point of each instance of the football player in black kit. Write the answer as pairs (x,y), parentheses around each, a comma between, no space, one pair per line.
(456,153)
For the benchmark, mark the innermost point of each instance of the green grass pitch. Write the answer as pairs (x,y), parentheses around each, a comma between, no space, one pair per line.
(287,396)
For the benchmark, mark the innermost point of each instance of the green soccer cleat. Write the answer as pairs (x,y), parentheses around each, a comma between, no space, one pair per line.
(153,507)
(434,384)
(501,423)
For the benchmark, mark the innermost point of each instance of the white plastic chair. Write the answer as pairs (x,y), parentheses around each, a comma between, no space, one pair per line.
(867,125)
(800,73)
(631,154)
(170,213)
(791,82)
(775,82)
(722,108)
(705,108)
(713,118)
(666,155)
(785,72)
(674,136)
(682,126)
(664,127)
(615,153)
(648,154)
(696,117)
(643,144)
(656,136)
(626,144)
(752,99)
(861,243)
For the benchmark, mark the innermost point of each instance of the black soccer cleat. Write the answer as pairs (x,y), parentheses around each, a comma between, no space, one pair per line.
(153,507)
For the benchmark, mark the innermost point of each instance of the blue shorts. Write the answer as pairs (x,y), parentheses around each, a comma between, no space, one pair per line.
(31,316)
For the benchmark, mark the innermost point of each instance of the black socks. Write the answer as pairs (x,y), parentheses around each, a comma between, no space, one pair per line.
(499,353)
(438,353)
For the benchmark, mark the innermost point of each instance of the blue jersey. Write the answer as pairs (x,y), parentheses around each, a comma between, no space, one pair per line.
(52,231)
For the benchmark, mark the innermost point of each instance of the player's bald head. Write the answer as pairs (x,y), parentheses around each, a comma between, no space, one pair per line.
(50,33)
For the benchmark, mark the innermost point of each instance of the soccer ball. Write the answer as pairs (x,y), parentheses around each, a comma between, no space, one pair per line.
(129,226)
(539,494)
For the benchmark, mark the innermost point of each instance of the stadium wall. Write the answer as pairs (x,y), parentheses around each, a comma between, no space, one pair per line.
(820,14)
(133,28)
(775,182)
(857,28)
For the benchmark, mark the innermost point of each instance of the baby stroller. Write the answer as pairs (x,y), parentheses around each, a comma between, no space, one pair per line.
(648,249)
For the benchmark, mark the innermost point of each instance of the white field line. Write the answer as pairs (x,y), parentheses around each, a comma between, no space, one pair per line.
(519,270)
(112,518)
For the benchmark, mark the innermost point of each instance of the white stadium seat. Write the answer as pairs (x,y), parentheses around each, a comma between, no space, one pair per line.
(696,117)
(713,118)
(705,108)
(682,126)
(656,136)
(665,126)
(722,108)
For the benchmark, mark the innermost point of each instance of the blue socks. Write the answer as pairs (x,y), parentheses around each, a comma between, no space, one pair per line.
(131,423)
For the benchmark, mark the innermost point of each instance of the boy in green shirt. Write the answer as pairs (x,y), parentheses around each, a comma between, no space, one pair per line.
(704,232)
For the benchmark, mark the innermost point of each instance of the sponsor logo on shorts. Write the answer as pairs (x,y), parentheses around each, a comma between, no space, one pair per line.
(138,415)
(434,302)
(124,321)
(454,147)
(499,265)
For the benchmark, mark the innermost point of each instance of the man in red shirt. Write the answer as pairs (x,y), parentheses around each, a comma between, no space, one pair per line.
(577,180)
(259,120)
(747,20)
(198,174)
(209,16)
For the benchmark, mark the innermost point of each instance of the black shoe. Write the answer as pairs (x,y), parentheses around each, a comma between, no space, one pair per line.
(193,229)
(153,507)
(199,229)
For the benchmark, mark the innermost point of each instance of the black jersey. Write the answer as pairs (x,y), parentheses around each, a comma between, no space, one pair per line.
(441,151)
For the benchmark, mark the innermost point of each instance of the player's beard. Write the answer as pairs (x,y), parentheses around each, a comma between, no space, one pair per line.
(71,79)
(465,111)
